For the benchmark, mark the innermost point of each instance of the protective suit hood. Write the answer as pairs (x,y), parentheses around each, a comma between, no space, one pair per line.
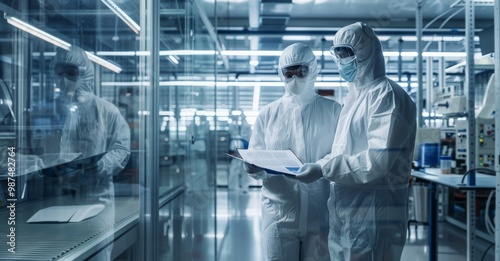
(77,57)
(296,54)
(367,49)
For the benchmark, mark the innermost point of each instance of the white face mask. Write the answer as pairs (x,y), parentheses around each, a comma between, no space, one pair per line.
(296,85)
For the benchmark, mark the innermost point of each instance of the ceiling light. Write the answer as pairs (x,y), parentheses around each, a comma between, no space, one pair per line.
(301,2)
(57,42)
(254,62)
(122,15)
(172,59)
(188,52)
(412,38)
(37,32)
(251,53)
(461,3)
(296,38)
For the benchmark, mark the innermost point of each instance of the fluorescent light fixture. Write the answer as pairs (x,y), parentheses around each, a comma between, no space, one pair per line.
(37,32)
(236,112)
(444,54)
(56,41)
(254,62)
(296,38)
(381,38)
(256,85)
(251,53)
(188,52)
(426,54)
(107,64)
(166,113)
(413,38)
(116,53)
(172,59)
(461,3)
(122,15)
(272,53)
(300,2)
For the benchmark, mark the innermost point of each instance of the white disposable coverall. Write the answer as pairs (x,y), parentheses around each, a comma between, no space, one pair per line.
(294,214)
(93,126)
(371,157)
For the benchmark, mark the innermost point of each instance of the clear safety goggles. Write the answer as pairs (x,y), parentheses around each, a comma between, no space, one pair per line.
(342,54)
(67,70)
(298,70)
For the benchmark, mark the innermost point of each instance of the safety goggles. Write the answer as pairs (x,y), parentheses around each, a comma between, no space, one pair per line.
(298,70)
(342,54)
(67,70)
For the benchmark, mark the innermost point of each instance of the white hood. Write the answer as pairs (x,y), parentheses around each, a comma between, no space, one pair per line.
(295,54)
(367,49)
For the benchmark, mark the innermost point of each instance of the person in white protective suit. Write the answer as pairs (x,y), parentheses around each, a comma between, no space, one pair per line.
(294,214)
(370,161)
(240,132)
(92,126)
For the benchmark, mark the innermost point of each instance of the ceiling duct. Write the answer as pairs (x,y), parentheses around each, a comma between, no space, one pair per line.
(275,13)
(269,43)
(273,21)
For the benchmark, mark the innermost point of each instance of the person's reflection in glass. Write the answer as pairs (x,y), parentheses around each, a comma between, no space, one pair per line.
(92,126)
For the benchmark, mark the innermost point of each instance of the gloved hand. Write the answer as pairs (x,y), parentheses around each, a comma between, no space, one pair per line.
(309,172)
(251,169)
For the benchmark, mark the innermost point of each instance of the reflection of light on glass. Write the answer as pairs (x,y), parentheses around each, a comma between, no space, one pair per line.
(143,113)
(57,42)
(122,15)
(172,59)
(166,113)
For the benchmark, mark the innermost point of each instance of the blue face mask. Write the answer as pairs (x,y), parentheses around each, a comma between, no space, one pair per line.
(348,71)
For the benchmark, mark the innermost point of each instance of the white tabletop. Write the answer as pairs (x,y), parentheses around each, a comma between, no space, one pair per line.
(483,181)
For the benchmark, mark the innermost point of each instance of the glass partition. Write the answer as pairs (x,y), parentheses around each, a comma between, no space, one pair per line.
(89,118)
(74,159)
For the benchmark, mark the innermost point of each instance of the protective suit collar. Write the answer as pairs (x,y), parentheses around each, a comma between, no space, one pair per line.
(295,54)
(368,51)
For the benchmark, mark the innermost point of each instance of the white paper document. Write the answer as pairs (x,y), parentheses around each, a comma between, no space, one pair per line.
(273,161)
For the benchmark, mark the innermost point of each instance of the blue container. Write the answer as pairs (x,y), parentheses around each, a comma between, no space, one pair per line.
(428,155)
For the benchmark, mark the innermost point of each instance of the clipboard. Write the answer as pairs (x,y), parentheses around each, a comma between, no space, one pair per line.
(283,162)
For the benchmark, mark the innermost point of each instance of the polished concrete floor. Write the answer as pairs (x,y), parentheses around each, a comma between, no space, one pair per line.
(242,241)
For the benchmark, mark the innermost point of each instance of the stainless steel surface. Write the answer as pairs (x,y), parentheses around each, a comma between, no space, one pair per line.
(53,241)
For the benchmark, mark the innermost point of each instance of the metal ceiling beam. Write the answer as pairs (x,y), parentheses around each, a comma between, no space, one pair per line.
(211,31)
(321,32)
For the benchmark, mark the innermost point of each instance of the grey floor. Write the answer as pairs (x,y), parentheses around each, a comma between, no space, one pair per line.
(242,240)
